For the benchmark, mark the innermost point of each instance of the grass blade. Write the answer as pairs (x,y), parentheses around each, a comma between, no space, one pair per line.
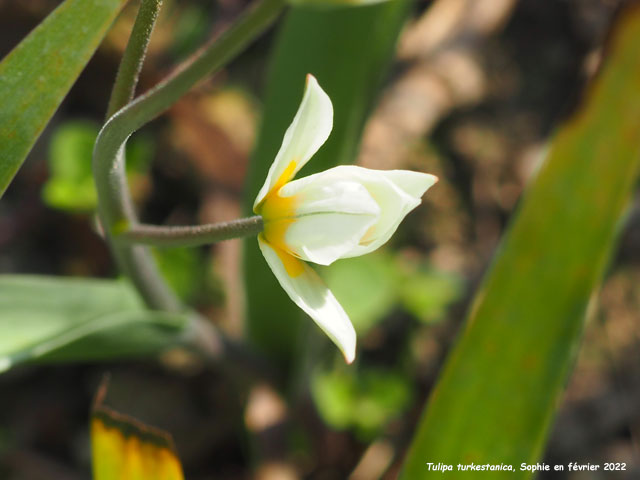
(497,394)
(37,74)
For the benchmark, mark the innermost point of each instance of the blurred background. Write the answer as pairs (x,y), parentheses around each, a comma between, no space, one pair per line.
(474,92)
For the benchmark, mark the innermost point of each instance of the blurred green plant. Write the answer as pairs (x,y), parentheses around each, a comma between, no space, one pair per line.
(369,287)
(365,287)
(191,29)
(70,185)
(37,74)
(54,319)
(427,293)
(497,394)
(190,275)
(363,401)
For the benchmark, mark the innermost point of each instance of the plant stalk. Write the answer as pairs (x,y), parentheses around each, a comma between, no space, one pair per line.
(130,66)
(114,200)
(191,236)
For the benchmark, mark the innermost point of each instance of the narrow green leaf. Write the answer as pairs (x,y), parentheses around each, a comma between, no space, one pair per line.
(38,73)
(498,392)
(347,50)
(53,319)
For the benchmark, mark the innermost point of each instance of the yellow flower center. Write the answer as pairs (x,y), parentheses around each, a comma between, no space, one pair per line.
(278,213)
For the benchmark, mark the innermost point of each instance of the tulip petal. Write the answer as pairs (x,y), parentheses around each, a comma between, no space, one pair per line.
(307,133)
(308,291)
(331,218)
(412,183)
(396,192)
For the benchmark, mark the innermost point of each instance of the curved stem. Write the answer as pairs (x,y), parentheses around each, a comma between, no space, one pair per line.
(191,236)
(129,70)
(114,201)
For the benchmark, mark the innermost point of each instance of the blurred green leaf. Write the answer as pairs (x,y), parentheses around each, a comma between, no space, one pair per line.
(499,389)
(369,287)
(52,319)
(189,274)
(37,74)
(366,287)
(347,50)
(426,293)
(191,29)
(363,401)
(70,185)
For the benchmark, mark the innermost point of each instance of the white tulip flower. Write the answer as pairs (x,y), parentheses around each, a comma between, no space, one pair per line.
(342,212)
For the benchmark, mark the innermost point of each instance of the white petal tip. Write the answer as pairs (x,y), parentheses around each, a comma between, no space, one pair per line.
(346,342)
(349,358)
(428,181)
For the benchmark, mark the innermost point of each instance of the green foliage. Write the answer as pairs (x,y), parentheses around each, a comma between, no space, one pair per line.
(191,30)
(38,73)
(189,274)
(363,401)
(426,292)
(501,384)
(366,287)
(369,287)
(49,319)
(347,50)
(70,185)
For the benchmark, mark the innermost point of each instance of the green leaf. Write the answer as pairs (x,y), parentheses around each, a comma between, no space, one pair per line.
(189,273)
(362,401)
(426,292)
(366,287)
(37,74)
(347,50)
(496,398)
(53,319)
(70,185)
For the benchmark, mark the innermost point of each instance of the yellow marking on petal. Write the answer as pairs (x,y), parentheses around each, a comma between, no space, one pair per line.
(275,232)
(285,176)
(369,236)
(293,266)
(276,208)
(278,212)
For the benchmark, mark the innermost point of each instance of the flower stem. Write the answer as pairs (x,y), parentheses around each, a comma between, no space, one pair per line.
(129,70)
(191,236)
(114,201)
